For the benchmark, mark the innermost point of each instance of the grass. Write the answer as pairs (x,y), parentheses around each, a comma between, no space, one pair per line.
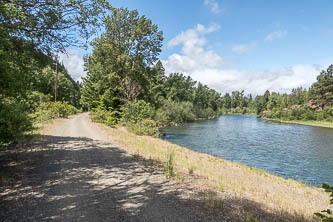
(191,170)
(169,164)
(275,193)
(306,122)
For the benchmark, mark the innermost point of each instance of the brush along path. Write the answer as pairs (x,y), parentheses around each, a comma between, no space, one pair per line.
(74,173)
(245,190)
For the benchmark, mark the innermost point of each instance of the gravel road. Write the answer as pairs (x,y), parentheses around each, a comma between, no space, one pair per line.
(74,173)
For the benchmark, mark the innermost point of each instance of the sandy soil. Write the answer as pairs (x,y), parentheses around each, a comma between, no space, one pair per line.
(74,173)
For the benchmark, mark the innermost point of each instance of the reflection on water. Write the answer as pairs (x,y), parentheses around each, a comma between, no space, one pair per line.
(300,152)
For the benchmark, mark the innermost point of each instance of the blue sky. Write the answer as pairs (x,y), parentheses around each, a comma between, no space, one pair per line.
(233,45)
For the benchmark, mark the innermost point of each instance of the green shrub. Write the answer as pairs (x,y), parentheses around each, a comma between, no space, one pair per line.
(326,215)
(137,111)
(146,127)
(223,111)
(328,113)
(52,110)
(309,115)
(14,120)
(206,113)
(174,112)
(237,110)
(36,98)
(109,118)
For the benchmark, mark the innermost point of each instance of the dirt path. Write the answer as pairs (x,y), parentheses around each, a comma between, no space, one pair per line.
(75,174)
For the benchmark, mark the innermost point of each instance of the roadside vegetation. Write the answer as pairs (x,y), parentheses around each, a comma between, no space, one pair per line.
(287,199)
(30,34)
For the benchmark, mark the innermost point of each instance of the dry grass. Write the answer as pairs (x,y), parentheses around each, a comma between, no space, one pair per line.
(275,193)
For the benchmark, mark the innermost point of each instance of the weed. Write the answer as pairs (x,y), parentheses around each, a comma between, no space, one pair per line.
(191,170)
(179,178)
(169,164)
(212,201)
(251,219)
(221,187)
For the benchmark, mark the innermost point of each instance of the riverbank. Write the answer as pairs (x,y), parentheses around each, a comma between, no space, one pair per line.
(285,199)
(304,122)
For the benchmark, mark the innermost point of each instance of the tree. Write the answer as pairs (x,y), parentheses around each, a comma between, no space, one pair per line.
(266,97)
(124,56)
(178,87)
(321,92)
(51,25)
(227,101)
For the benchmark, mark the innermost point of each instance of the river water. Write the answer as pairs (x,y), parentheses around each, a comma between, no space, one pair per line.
(304,153)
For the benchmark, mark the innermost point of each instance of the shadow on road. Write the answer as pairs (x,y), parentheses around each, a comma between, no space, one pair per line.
(79,179)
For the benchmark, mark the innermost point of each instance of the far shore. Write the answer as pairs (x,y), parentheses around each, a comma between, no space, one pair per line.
(304,122)
(325,124)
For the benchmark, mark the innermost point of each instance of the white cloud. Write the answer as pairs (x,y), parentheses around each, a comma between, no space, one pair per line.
(194,54)
(203,64)
(214,6)
(242,48)
(74,64)
(276,35)
(258,81)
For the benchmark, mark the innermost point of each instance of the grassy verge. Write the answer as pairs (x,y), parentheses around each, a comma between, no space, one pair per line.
(305,122)
(274,193)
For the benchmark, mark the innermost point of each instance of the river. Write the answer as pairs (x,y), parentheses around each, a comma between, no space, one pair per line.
(304,153)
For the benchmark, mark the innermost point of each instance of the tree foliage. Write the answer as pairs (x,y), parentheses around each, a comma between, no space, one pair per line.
(51,25)
(321,92)
(123,60)
(29,32)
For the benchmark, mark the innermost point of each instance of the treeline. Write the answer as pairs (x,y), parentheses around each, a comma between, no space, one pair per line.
(30,33)
(302,104)
(127,82)
(314,104)
(237,103)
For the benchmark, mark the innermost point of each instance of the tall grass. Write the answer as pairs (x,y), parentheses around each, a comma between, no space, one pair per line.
(234,179)
(169,164)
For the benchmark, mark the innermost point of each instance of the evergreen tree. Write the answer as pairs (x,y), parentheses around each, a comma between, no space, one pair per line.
(321,92)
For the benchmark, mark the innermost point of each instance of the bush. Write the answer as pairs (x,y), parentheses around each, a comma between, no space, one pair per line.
(36,98)
(174,112)
(326,215)
(206,113)
(137,111)
(109,118)
(14,120)
(328,113)
(309,115)
(146,127)
(52,110)
(237,110)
